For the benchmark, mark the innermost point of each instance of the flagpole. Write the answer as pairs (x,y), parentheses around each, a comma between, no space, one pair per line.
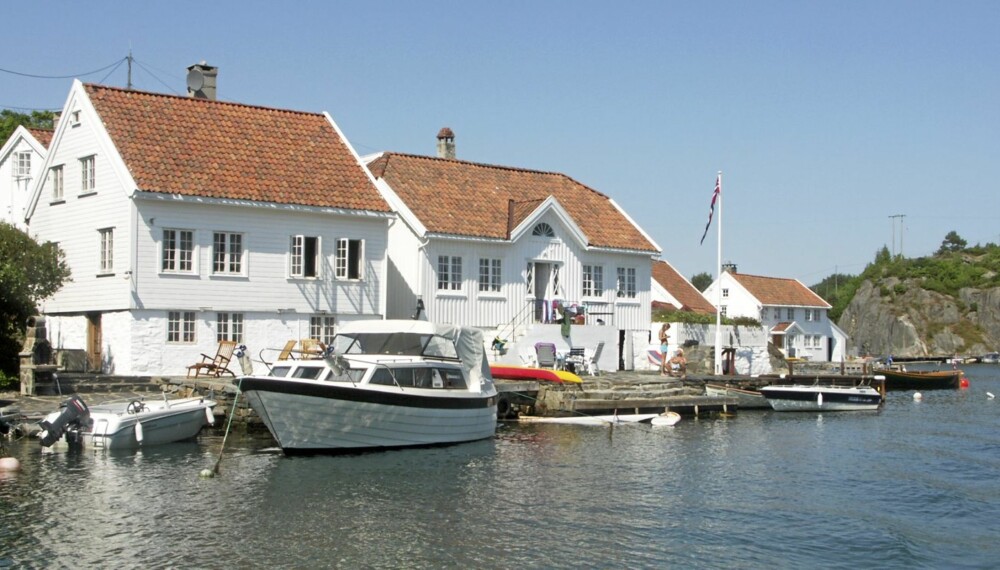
(718,290)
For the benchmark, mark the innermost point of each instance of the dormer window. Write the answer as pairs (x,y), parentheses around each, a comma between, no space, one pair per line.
(543,230)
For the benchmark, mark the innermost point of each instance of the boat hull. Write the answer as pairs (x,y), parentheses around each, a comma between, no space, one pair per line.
(821,399)
(320,417)
(896,380)
(745,399)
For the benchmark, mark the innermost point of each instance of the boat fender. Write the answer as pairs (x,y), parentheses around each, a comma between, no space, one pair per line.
(819,399)
(209,416)
(138,431)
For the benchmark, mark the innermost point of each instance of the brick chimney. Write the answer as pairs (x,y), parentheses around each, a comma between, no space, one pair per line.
(729,267)
(201,81)
(446,143)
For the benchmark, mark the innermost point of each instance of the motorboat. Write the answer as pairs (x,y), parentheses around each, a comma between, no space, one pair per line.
(990,358)
(745,398)
(128,424)
(819,398)
(382,385)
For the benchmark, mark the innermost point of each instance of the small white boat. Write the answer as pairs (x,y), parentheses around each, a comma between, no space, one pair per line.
(386,384)
(815,398)
(990,358)
(126,425)
(666,419)
(582,420)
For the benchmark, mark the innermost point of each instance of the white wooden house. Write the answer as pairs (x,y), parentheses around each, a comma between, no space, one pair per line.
(796,318)
(186,221)
(21,160)
(507,249)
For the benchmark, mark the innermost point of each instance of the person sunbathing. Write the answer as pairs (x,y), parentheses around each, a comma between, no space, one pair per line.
(677,365)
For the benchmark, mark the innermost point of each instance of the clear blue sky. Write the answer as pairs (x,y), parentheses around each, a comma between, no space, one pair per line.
(825,118)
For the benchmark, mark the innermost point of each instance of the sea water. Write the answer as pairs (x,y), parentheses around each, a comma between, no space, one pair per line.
(913,485)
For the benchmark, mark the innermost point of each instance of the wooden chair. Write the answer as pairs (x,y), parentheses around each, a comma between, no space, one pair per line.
(311,349)
(217,365)
(286,352)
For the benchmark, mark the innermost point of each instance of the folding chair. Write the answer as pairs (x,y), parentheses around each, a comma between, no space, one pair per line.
(545,352)
(217,365)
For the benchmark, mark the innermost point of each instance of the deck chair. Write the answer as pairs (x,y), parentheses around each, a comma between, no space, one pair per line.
(311,349)
(286,352)
(593,366)
(217,365)
(545,352)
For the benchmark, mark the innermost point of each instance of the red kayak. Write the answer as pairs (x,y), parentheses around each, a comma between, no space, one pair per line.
(511,372)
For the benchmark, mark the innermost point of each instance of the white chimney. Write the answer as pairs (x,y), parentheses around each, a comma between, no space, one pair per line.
(446,143)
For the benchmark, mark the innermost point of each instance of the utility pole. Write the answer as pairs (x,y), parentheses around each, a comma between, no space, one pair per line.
(129,67)
(893,219)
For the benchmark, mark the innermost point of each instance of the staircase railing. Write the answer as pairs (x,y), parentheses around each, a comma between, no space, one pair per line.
(526,314)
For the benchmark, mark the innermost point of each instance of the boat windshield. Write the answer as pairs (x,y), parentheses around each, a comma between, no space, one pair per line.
(397,344)
(422,377)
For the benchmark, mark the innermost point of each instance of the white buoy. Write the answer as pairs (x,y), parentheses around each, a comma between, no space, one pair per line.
(138,431)
(206,473)
(9,464)
(918,396)
(209,416)
(990,395)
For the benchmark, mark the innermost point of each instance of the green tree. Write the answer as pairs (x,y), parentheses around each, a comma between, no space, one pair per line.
(29,273)
(10,120)
(701,281)
(952,242)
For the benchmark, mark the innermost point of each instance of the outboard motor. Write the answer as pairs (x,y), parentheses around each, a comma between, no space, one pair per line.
(74,412)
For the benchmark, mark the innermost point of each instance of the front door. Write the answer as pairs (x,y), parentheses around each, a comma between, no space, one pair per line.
(94,342)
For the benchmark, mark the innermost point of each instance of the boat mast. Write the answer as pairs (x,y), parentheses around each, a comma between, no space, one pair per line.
(718,290)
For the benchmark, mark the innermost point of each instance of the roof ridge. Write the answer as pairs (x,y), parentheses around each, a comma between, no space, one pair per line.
(98,86)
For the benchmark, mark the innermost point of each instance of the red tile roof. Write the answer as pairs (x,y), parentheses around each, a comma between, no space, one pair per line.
(43,136)
(198,147)
(471,199)
(681,289)
(780,291)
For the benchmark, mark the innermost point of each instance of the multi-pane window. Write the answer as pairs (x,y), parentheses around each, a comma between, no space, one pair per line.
(321,328)
(304,256)
(722,311)
(489,275)
(178,251)
(543,230)
(348,263)
(229,326)
(449,272)
(180,326)
(791,314)
(107,263)
(725,292)
(816,315)
(593,280)
(227,253)
(809,314)
(22,164)
(626,282)
(56,182)
(88,178)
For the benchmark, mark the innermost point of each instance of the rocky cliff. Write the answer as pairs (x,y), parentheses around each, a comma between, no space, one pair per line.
(899,317)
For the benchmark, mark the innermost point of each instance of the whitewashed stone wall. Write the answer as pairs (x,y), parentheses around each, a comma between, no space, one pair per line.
(750,343)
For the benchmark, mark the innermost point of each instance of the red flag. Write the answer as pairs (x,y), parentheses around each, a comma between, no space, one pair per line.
(711,210)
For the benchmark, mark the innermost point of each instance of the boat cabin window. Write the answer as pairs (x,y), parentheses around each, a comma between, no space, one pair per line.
(280,371)
(308,372)
(445,378)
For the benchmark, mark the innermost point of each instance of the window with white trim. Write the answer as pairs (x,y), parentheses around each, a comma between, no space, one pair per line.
(107,257)
(180,327)
(809,315)
(227,254)
(322,328)
(817,315)
(88,176)
(56,182)
(304,257)
(229,326)
(177,251)
(593,281)
(791,314)
(542,229)
(22,164)
(725,292)
(489,275)
(722,310)
(626,282)
(449,273)
(349,260)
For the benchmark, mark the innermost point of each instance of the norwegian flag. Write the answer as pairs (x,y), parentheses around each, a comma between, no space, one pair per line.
(711,210)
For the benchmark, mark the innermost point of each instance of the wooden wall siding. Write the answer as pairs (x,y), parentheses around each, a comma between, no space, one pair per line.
(265,285)
(74,224)
(403,270)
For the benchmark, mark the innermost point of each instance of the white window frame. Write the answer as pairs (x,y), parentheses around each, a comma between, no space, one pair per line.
(56,182)
(229,326)
(349,261)
(299,265)
(490,272)
(722,310)
(790,313)
(228,254)
(21,163)
(174,257)
(725,292)
(88,174)
(593,280)
(106,257)
(181,327)
(449,273)
(626,283)
(809,315)
(323,328)
(543,229)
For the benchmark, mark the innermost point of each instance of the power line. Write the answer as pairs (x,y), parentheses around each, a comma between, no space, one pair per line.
(34,76)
